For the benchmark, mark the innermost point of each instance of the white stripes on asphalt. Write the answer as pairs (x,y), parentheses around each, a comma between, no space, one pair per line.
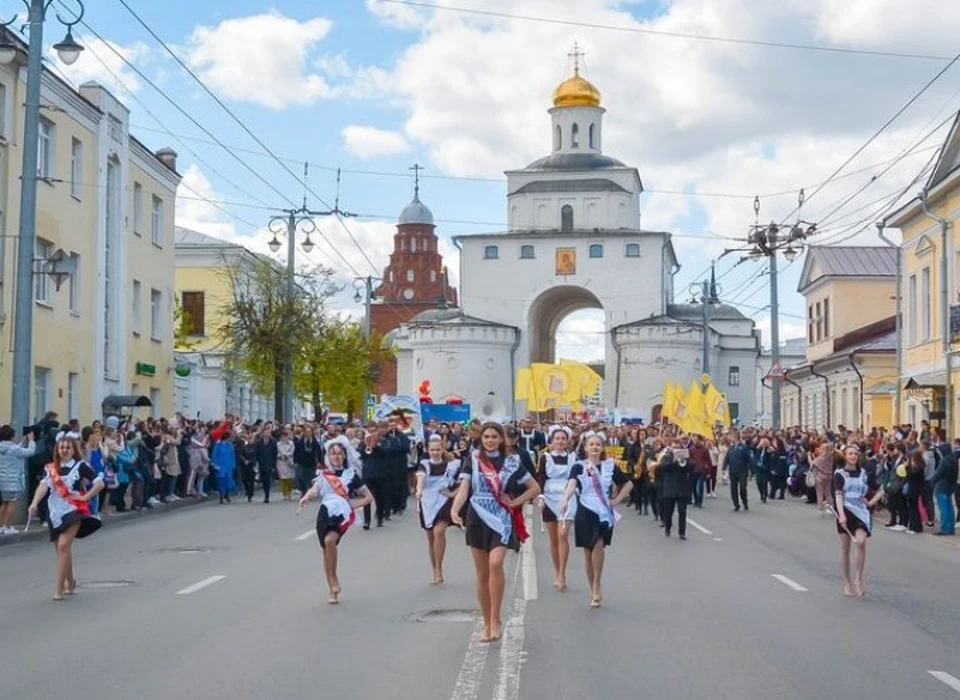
(471,672)
(789,582)
(946,679)
(308,533)
(700,527)
(200,585)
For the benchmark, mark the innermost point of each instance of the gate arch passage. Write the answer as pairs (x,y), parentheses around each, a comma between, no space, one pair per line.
(547,312)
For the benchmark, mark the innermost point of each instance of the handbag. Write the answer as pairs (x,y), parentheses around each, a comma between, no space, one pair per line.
(110,476)
(810,479)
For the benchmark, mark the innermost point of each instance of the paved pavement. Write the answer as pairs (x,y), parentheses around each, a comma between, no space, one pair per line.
(229,602)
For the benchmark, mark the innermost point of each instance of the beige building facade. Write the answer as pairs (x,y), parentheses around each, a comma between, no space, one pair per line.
(94,337)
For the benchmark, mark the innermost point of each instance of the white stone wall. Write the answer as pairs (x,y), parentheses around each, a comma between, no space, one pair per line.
(583,117)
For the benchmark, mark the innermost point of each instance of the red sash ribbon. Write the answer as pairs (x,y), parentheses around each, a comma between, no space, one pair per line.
(82,506)
(340,490)
(492,477)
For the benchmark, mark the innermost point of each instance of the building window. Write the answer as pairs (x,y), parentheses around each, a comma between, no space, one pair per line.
(734,411)
(596,250)
(403,244)
(566,218)
(591,137)
(856,407)
(73,284)
(45,150)
(833,407)
(925,313)
(733,376)
(155,304)
(413,244)
(912,309)
(433,275)
(526,252)
(137,208)
(73,394)
(76,167)
(3,111)
(819,319)
(843,407)
(391,275)
(115,129)
(156,220)
(137,306)
(558,138)
(192,320)
(633,250)
(41,281)
(409,275)
(810,323)
(41,391)
(490,252)
(575,136)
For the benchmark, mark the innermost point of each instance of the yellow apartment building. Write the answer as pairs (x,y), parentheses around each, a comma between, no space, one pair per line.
(208,388)
(849,374)
(94,337)
(927,224)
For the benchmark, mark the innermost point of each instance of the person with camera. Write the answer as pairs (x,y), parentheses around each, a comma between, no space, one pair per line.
(672,471)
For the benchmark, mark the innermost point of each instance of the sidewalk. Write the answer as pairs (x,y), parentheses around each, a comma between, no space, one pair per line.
(39,532)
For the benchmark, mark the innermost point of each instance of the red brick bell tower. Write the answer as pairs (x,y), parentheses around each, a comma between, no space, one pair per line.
(415,279)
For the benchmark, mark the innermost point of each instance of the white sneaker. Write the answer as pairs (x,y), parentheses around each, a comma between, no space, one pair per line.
(153,501)
(174,497)
(12,531)
(6,531)
(899,528)
(909,532)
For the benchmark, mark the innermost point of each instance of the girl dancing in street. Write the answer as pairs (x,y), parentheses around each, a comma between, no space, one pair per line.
(436,477)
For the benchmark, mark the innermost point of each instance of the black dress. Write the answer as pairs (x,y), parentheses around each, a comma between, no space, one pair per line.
(513,475)
(589,529)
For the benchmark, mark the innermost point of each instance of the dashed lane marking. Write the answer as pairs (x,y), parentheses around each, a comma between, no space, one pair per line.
(790,583)
(700,527)
(946,679)
(200,585)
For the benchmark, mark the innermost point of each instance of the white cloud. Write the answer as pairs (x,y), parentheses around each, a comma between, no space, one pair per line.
(370,142)
(789,329)
(261,59)
(581,336)
(398,16)
(99,62)
(194,210)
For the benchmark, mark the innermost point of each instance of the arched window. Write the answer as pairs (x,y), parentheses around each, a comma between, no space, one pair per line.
(391,275)
(403,244)
(526,252)
(596,250)
(490,252)
(433,275)
(413,245)
(592,142)
(633,250)
(409,275)
(566,218)
(558,139)
(575,137)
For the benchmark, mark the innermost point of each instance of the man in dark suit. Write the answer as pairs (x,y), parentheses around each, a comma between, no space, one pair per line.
(739,464)
(378,454)
(307,453)
(266,453)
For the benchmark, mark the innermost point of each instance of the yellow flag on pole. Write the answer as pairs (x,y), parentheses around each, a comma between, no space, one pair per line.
(718,410)
(669,401)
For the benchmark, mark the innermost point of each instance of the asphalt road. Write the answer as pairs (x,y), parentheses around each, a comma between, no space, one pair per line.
(705,618)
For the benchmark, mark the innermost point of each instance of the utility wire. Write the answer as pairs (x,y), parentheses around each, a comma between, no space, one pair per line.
(666,33)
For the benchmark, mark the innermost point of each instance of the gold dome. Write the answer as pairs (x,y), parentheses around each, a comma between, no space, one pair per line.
(576,91)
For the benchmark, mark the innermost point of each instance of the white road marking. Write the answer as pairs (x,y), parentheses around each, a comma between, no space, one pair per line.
(700,527)
(200,584)
(471,671)
(718,539)
(528,564)
(511,646)
(308,533)
(789,582)
(946,679)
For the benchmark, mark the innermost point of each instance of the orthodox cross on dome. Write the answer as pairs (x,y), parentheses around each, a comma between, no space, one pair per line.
(416,168)
(576,55)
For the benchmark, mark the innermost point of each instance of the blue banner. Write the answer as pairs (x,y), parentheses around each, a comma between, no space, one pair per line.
(445,412)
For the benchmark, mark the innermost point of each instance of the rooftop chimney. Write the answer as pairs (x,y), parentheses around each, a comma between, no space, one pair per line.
(168,157)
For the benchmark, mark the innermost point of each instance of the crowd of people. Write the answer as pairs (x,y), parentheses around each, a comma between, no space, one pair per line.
(477,476)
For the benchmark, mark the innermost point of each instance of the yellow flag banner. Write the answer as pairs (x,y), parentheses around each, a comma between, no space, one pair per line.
(718,410)
(524,386)
(584,381)
(616,453)
(545,386)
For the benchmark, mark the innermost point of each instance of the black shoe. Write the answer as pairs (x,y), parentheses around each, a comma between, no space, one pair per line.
(366,526)
(890,525)
(249,499)
(666,533)
(228,499)
(266,500)
(683,537)
(221,500)
(745,507)
(781,498)
(736,509)
(380,523)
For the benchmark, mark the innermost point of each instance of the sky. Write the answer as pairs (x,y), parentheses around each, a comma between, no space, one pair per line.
(697,99)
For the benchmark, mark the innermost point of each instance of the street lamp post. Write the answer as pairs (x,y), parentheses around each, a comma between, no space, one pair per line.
(68,50)
(709,296)
(767,242)
(302,218)
(367,296)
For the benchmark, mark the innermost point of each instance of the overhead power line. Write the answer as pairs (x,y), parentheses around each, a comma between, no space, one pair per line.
(666,33)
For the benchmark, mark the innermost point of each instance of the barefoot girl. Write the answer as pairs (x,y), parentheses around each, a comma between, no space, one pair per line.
(436,478)
(554,473)
(851,484)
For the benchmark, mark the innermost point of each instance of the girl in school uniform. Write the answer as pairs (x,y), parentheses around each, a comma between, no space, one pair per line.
(436,478)
(553,473)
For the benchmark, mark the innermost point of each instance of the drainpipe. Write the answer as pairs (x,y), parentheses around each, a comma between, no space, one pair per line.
(826,384)
(853,363)
(899,321)
(616,385)
(786,378)
(513,371)
(944,315)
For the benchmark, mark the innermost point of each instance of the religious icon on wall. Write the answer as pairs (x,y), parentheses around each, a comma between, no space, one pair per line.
(566,261)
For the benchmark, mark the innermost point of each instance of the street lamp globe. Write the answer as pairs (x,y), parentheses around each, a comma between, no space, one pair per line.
(307,245)
(274,245)
(357,298)
(68,50)
(791,253)
(8,50)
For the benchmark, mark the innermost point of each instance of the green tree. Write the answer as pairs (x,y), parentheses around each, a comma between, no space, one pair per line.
(182,340)
(337,366)
(264,326)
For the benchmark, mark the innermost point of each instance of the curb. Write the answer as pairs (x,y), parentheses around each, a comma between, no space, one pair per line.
(39,532)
